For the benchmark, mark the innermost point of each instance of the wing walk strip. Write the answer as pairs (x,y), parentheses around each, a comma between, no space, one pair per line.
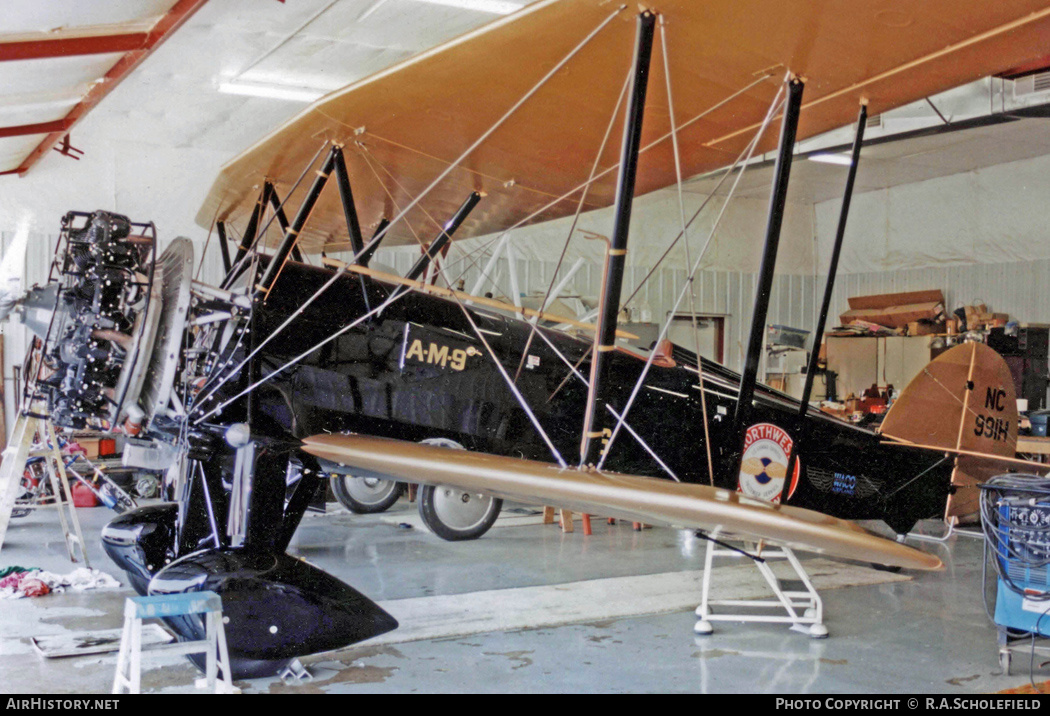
(501,610)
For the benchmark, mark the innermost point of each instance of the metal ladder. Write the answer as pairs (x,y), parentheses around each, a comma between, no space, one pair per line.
(19,450)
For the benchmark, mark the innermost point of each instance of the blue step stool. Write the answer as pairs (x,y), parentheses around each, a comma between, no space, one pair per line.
(129,660)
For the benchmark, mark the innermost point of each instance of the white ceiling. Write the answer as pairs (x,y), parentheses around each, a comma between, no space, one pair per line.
(172,97)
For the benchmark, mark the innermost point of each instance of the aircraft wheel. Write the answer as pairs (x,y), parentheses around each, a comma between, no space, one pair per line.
(365,495)
(454,514)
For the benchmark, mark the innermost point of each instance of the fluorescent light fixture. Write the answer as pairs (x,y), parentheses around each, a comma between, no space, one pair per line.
(270,91)
(843,159)
(496,7)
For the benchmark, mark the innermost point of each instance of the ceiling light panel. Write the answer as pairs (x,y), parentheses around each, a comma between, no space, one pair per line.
(495,7)
(841,159)
(290,93)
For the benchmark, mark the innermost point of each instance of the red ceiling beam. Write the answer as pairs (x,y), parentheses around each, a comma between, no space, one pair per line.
(69,46)
(179,13)
(59,125)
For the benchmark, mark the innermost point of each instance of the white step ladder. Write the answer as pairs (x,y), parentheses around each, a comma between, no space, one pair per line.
(802,609)
(19,450)
(129,660)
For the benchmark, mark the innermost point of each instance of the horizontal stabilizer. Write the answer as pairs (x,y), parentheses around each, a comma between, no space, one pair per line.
(632,497)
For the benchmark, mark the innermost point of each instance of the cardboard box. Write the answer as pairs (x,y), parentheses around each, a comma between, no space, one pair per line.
(920,328)
(973,315)
(897,316)
(885,300)
(90,446)
(986,320)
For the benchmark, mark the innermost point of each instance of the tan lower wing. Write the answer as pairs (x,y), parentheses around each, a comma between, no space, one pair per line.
(630,497)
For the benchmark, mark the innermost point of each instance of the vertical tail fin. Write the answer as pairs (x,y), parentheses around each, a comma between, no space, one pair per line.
(963,400)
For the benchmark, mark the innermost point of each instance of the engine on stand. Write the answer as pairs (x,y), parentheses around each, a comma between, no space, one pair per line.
(130,341)
(98,304)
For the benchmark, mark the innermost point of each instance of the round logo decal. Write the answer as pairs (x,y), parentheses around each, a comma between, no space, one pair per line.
(764,464)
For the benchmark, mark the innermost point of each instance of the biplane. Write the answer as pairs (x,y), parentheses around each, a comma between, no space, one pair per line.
(252,392)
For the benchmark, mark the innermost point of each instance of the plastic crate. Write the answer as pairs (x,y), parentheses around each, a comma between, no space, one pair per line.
(787,336)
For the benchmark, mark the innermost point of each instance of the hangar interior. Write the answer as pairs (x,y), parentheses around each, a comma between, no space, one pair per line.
(949,197)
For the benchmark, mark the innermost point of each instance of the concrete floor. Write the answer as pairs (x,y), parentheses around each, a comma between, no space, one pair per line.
(925,634)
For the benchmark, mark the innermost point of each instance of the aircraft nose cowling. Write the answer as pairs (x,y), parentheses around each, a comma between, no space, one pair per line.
(276,607)
(141,542)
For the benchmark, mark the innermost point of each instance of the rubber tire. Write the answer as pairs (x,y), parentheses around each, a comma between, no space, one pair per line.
(363,508)
(430,517)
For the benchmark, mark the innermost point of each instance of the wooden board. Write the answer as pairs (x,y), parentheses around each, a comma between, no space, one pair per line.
(631,497)
(403,126)
(1033,445)
(885,300)
(57,646)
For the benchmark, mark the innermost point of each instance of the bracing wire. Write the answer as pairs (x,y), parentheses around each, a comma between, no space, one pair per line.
(696,265)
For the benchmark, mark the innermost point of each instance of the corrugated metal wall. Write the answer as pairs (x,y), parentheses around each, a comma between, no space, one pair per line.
(793,302)
(1021,288)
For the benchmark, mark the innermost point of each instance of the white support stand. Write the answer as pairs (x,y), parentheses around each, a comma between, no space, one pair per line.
(14,462)
(208,604)
(486,273)
(950,531)
(803,610)
(512,272)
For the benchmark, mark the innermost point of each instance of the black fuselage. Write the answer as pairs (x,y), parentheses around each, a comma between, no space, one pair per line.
(420,370)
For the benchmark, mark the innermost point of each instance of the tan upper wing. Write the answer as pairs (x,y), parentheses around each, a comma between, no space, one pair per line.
(403,126)
(633,497)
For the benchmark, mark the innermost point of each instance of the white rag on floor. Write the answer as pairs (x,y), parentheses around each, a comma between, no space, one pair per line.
(78,580)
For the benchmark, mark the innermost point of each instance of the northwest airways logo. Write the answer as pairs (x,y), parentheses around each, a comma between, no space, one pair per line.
(765,462)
